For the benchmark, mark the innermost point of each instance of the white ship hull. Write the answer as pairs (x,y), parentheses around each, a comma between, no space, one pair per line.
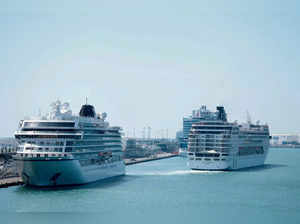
(66,172)
(234,163)
(208,165)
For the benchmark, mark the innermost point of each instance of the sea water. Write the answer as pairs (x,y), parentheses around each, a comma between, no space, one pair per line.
(166,191)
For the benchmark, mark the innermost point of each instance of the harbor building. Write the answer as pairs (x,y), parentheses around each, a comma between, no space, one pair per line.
(8,146)
(197,115)
(285,139)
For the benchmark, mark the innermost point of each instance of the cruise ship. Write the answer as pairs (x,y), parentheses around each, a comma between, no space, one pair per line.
(65,149)
(216,144)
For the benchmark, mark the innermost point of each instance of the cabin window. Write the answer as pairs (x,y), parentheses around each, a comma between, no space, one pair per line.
(68,150)
(69,143)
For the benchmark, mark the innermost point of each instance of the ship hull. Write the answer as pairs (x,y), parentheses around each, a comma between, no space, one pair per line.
(234,163)
(249,161)
(207,165)
(45,173)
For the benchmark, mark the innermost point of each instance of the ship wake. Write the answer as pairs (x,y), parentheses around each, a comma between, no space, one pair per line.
(173,172)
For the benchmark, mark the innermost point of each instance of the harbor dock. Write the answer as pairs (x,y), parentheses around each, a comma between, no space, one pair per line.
(15,181)
(11,181)
(147,159)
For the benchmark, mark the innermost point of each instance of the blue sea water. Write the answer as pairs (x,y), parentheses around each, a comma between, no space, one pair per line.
(165,191)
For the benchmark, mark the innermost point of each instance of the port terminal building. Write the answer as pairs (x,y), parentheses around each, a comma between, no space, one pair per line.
(8,146)
(285,139)
(197,115)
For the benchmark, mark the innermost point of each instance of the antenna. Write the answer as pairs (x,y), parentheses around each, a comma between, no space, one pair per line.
(248,117)
(86,100)
(149,132)
(144,132)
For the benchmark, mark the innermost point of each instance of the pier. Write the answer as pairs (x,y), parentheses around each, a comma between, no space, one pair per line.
(147,159)
(15,181)
(11,181)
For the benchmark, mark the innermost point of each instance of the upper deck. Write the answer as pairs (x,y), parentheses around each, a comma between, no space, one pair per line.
(61,123)
(216,123)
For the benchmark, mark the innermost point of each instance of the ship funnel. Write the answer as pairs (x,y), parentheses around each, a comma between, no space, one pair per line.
(87,111)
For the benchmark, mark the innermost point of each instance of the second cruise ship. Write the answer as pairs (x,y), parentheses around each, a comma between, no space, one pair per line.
(216,144)
(63,149)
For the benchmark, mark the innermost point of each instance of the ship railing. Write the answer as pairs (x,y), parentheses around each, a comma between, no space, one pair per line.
(46,132)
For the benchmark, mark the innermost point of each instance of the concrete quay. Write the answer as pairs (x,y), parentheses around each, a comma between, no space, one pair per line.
(285,146)
(147,159)
(11,181)
(14,181)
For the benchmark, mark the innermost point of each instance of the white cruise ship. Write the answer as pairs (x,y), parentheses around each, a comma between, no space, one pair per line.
(63,149)
(216,144)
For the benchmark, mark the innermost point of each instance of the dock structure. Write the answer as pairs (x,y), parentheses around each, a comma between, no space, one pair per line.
(11,181)
(15,181)
(147,159)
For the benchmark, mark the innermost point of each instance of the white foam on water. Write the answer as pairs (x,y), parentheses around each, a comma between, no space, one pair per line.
(174,172)
(206,171)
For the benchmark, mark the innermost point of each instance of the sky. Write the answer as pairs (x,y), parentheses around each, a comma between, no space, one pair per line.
(150,63)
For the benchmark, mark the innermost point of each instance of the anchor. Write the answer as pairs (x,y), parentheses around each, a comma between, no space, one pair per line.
(54,178)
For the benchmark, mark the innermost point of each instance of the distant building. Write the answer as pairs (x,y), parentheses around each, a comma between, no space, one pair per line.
(179,134)
(7,149)
(285,139)
(179,138)
(197,116)
(8,146)
(135,149)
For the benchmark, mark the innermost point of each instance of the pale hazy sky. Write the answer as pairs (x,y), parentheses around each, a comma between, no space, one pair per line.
(149,63)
